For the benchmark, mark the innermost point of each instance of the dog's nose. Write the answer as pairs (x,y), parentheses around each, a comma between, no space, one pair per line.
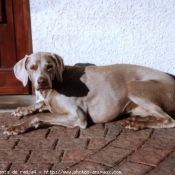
(41,81)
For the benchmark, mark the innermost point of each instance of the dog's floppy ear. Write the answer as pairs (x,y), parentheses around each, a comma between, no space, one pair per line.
(60,66)
(20,71)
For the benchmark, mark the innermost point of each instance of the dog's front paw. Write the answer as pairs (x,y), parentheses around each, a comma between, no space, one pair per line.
(12,130)
(22,111)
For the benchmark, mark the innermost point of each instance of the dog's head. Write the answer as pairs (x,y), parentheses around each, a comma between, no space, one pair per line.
(41,68)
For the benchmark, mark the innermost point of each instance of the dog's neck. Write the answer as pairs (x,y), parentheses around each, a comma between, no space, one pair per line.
(71,86)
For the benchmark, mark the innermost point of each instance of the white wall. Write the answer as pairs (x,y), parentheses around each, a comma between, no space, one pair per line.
(106,31)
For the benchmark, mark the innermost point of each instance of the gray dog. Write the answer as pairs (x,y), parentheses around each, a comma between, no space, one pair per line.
(73,94)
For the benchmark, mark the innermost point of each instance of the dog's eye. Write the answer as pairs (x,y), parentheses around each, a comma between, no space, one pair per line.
(33,67)
(49,67)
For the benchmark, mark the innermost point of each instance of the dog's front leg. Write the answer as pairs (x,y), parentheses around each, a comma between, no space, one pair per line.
(48,119)
(22,111)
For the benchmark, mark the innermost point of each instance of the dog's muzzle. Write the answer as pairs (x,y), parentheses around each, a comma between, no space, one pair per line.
(42,83)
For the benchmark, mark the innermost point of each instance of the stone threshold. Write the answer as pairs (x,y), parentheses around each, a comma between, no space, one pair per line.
(11,102)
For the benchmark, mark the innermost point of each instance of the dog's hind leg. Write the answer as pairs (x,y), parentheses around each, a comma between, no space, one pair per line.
(150,96)
(137,122)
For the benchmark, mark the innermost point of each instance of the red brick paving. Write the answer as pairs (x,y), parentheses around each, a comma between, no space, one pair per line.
(131,168)
(36,144)
(166,167)
(71,144)
(62,132)
(100,149)
(9,156)
(105,157)
(45,156)
(76,155)
(149,156)
(128,143)
(98,143)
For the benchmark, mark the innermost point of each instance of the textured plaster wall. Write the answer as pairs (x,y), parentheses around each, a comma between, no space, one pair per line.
(106,31)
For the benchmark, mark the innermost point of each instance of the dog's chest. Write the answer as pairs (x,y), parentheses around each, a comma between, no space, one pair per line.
(39,97)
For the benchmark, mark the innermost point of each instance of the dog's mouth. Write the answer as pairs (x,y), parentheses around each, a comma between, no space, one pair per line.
(42,88)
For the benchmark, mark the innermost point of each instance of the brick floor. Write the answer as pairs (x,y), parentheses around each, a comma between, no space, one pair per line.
(131,168)
(100,149)
(70,144)
(105,157)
